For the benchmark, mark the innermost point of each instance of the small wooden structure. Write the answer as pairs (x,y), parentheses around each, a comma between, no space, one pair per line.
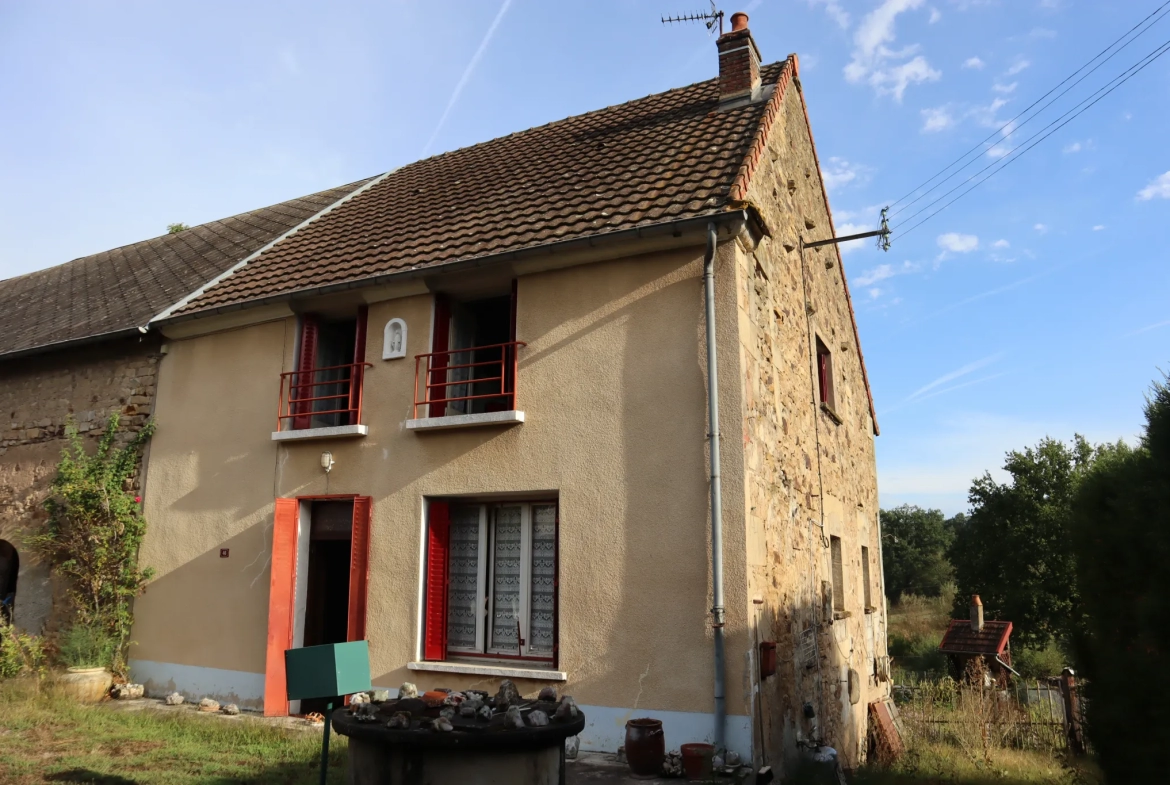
(974,638)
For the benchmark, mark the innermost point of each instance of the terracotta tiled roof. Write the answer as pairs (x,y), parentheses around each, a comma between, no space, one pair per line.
(122,289)
(961,639)
(668,156)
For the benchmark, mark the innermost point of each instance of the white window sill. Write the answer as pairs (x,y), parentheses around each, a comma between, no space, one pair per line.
(333,432)
(505,671)
(465,421)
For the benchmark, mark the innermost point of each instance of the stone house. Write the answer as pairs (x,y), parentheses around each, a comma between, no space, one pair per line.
(74,343)
(574,406)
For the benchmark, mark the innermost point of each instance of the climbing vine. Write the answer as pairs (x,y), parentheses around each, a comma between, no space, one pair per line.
(95,529)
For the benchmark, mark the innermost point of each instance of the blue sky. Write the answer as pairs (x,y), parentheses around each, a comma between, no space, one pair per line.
(1035,306)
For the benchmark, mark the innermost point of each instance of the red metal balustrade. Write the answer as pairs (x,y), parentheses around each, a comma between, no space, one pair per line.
(299,398)
(434,369)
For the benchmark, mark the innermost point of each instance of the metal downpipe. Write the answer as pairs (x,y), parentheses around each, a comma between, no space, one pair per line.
(716,490)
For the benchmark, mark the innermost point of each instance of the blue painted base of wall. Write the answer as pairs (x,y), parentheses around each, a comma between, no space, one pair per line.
(160,679)
(605,726)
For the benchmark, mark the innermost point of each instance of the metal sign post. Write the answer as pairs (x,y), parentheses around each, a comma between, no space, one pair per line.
(330,672)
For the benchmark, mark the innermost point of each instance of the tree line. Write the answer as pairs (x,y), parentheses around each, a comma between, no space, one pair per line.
(1073,549)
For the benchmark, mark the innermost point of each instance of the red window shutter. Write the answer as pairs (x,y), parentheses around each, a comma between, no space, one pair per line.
(441,342)
(438,544)
(359,567)
(302,384)
(281,602)
(358,373)
(823,375)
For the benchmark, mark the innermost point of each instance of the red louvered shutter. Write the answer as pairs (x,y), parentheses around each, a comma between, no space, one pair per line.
(359,568)
(302,384)
(438,544)
(440,343)
(281,594)
(358,373)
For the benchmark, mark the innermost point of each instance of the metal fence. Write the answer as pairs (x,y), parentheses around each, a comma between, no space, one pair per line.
(1042,715)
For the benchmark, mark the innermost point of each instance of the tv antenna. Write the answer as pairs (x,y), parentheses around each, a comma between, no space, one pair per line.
(710,18)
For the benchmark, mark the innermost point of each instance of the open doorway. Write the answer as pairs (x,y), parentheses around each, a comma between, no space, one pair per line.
(9,568)
(327,573)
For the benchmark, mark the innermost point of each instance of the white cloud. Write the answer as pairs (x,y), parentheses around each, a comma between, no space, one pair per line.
(973,62)
(1041,228)
(1099,228)
(1159,188)
(934,120)
(1147,328)
(998,151)
(934,15)
(875,293)
(834,10)
(1075,147)
(1042,32)
(1005,88)
(1019,66)
(876,64)
(1001,244)
(884,271)
(953,242)
(840,173)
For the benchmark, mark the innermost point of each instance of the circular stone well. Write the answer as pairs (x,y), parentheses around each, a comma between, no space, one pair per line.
(475,752)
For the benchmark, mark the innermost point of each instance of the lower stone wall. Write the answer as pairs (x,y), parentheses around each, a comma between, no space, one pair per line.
(39,394)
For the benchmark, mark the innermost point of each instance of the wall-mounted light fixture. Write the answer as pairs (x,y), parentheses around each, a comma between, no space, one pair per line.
(326,461)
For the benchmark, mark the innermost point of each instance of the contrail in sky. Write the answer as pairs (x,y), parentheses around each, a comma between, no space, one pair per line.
(467,72)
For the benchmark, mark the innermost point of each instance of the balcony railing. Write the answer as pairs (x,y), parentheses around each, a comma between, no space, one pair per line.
(466,381)
(321,398)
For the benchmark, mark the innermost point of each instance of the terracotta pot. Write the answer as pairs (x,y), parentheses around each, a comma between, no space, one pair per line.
(645,746)
(696,760)
(86,685)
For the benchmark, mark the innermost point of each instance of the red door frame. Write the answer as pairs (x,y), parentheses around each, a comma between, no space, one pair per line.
(283,583)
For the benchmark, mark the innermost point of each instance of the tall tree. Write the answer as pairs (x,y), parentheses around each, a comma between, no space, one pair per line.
(1122,540)
(1014,549)
(914,546)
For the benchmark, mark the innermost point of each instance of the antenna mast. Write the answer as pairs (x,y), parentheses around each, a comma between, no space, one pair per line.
(710,18)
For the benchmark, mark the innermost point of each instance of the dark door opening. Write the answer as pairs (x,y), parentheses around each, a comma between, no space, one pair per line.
(327,582)
(9,567)
(336,341)
(475,325)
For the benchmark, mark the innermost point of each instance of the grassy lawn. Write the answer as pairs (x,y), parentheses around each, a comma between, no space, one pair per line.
(45,737)
(927,764)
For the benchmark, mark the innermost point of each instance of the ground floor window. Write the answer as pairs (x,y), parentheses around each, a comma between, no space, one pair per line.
(492,581)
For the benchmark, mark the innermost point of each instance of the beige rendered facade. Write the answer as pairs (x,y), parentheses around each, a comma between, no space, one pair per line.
(613,390)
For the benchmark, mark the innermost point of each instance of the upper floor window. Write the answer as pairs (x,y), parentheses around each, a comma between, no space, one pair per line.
(471,368)
(838,575)
(825,375)
(866,580)
(491,581)
(325,390)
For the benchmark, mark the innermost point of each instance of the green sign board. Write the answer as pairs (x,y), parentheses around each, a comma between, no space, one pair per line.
(328,671)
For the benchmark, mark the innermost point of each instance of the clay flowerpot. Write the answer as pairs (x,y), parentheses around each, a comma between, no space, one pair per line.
(645,746)
(86,685)
(696,759)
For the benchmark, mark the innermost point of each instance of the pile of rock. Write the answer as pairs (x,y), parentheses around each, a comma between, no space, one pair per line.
(468,709)
(127,692)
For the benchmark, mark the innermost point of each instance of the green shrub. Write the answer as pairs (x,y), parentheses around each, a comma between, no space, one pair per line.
(95,530)
(21,654)
(87,646)
(1039,663)
(918,654)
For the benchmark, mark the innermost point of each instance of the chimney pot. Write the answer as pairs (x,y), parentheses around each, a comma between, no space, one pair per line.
(739,61)
(976,613)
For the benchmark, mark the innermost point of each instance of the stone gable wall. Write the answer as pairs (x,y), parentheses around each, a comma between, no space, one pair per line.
(809,474)
(37,396)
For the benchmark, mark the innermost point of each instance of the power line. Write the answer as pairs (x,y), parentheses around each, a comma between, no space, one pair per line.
(1008,124)
(1011,157)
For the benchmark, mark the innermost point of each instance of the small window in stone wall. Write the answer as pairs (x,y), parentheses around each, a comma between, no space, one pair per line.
(394,340)
(825,375)
(838,575)
(867,591)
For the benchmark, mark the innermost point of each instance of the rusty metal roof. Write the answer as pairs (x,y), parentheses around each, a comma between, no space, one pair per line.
(961,639)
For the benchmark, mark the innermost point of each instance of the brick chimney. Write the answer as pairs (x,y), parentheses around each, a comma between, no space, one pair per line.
(739,61)
(976,613)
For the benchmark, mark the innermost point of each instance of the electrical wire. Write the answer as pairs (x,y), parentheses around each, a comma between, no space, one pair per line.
(1012,156)
(978,146)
